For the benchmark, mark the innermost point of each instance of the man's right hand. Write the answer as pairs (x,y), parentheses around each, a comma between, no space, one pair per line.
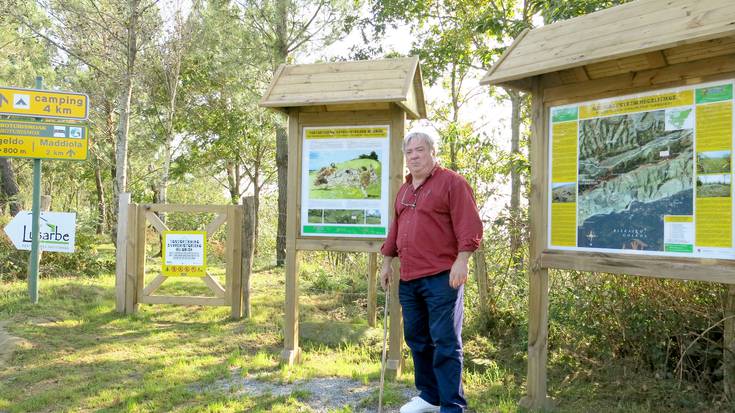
(386,272)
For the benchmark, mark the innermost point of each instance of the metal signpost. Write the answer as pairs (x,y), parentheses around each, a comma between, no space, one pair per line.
(40,140)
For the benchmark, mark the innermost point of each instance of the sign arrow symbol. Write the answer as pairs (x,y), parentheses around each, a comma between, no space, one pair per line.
(3,99)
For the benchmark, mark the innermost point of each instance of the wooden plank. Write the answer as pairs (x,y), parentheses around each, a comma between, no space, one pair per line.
(331,98)
(506,52)
(154,284)
(345,118)
(131,250)
(183,300)
(221,209)
(121,251)
(346,67)
(538,296)
(140,254)
(635,63)
(728,350)
(248,251)
(274,81)
(315,78)
(629,82)
(660,29)
(229,256)
(697,51)
(214,285)
(372,292)
(481,278)
(236,278)
(353,107)
(342,87)
(156,222)
(722,271)
(395,360)
(694,23)
(217,222)
(291,352)
(345,245)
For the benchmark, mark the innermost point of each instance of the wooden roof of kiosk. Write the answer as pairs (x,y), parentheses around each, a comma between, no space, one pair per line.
(634,37)
(361,85)
(639,46)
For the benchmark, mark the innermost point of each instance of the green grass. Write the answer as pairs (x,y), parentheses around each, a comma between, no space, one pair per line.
(80,355)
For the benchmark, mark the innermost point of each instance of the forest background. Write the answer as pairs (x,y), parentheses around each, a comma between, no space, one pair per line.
(174,118)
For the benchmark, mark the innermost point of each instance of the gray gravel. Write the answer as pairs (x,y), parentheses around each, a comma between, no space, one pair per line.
(324,394)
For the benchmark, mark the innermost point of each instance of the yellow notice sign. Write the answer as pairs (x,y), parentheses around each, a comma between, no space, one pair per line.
(184,254)
(714,127)
(564,224)
(564,152)
(43,140)
(636,104)
(43,103)
(714,222)
(346,133)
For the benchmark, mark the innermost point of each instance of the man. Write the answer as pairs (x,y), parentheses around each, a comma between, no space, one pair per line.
(435,230)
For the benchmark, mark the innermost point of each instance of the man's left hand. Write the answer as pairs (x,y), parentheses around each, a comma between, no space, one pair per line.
(460,269)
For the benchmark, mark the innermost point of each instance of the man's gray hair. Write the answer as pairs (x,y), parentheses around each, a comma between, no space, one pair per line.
(431,140)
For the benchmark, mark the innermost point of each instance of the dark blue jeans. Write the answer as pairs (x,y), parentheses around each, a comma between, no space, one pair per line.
(432,315)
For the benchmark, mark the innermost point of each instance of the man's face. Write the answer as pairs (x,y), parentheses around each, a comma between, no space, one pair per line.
(419,158)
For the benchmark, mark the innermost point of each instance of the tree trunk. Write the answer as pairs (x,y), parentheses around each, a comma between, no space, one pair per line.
(515,177)
(281,50)
(101,207)
(10,186)
(121,148)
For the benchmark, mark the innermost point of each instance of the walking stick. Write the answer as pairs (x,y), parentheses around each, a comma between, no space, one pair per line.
(385,341)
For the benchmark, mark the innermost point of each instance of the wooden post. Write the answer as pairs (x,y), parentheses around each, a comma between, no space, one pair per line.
(538,294)
(481,276)
(141,224)
(248,250)
(120,253)
(372,296)
(234,249)
(394,364)
(395,361)
(728,356)
(291,352)
(131,250)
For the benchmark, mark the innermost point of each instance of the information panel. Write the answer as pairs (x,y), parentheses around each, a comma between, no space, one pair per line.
(184,254)
(647,174)
(344,181)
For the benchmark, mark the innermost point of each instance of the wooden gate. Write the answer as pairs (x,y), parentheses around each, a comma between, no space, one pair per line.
(131,288)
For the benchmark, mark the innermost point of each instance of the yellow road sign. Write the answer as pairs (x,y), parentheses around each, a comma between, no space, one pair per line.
(43,103)
(43,140)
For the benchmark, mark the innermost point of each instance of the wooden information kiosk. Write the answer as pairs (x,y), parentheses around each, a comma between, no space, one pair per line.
(345,166)
(631,149)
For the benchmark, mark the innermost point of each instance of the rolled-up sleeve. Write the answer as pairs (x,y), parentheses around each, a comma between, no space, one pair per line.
(465,216)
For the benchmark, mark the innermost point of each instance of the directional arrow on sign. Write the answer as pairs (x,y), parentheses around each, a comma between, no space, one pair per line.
(16,229)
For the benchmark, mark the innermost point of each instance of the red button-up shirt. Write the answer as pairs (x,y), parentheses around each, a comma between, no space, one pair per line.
(432,224)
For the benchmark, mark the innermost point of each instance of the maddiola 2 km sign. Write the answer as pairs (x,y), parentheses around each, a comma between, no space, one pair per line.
(57,231)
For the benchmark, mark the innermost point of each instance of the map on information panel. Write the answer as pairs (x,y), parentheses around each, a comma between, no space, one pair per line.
(645,174)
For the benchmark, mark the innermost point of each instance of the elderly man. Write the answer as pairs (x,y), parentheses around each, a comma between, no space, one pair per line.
(435,230)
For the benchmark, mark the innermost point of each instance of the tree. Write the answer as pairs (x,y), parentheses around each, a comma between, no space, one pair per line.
(285,27)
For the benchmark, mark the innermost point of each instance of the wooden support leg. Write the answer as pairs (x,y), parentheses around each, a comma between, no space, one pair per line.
(394,364)
(131,260)
(372,297)
(291,351)
(538,334)
(121,251)
(729,345)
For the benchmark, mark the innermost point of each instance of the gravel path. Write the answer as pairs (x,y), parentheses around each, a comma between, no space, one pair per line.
(323,394)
